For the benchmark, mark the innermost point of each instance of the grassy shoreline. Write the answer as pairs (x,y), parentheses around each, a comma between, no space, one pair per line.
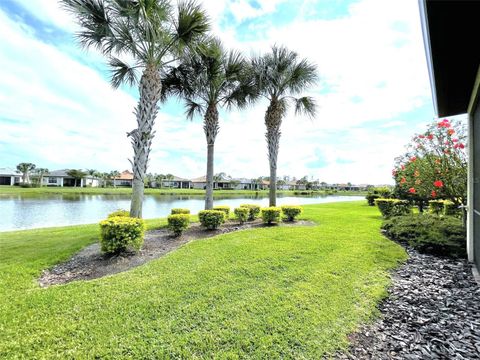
(279,292)
(13,190)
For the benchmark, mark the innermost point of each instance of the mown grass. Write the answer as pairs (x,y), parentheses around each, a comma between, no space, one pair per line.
(279,292)
(12,190)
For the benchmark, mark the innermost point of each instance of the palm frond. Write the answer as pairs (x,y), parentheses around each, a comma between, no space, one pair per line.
(302,76)
(122,73)
(192,22)
(306,106)
(193,108)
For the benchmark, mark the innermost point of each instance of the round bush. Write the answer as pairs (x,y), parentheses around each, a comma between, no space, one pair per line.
(241,214)
(271,215)
(393,207)
(291,211)
(254,211)
(211,219)
(121,233)
(178,223)
(179,211)
(224,208)
(119,212)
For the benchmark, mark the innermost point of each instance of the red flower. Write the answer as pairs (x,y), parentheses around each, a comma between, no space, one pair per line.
(413,159)
(421,136)
(430,137)
(461,146)
(434,193)
(394,172)
(412,190)
(403,167)
(455,140)
(403,180)
(438,183)
(451,131)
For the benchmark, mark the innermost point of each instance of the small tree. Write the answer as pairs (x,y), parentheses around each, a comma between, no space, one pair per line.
(435,165)
(76,175)
(25,169)
(40,174)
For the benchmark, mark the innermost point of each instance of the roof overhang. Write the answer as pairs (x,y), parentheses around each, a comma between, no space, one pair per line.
(453,55)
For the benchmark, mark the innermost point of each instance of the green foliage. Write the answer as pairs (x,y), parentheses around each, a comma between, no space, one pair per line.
(393,207)
(241,214)
(121,233)
(378,193)
(271,215)
(211,219)
(119,212)
(444,207)
(291,211)
(438,234)
(178,223)
(224,208)
(436,207)
(180,211)
(254,211)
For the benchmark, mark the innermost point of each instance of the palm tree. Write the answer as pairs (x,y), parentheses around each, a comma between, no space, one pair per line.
(76,175)
(113,175)
(208,79)
(159,180)
(280,78)
(40,173)
(150,33)
(25,169)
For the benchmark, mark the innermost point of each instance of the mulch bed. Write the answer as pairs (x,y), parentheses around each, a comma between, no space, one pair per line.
(433,312)
(91,263)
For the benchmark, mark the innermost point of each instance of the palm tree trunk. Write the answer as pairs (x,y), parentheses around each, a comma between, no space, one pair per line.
(273,120)
(210,128)
(146,112)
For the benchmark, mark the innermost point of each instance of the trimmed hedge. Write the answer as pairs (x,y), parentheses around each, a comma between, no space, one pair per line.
(119,212)
(444,235)
(371,199)
(393,207)
(211,219)
(271,215)
(224,208)
(290,212)
(444,207)
(121,233)
(176,211)
(241,214)
(254,211)
(178,223)
(436,207)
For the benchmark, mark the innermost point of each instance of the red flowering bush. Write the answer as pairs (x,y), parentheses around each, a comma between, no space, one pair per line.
(435,165)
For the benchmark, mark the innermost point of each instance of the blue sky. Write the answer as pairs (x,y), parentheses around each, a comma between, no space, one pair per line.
(58,110)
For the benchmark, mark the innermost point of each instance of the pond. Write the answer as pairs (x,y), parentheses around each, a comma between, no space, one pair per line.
(46,210)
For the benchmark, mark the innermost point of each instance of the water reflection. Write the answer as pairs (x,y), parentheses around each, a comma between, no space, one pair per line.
(44,210)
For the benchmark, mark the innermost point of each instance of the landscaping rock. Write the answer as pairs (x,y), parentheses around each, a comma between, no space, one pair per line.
(432,312)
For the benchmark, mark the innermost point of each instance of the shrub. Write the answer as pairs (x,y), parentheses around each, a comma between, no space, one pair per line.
(436,207)
(449,208)
(241,214)
(253,211)
(211,219)
(119,212)
(224,208)
(179,211)
(178,223)
(371,198)
(393,207)
(271,215)
(120,233)
(291,211)
(443,235)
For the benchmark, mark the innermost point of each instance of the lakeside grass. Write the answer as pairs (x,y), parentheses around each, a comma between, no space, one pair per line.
(13,190)
(278,292)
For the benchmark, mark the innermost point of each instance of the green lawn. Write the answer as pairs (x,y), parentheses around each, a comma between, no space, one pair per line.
(10,190)
(280,292)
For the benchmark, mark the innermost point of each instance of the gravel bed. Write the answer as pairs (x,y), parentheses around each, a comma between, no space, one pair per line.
(433,312)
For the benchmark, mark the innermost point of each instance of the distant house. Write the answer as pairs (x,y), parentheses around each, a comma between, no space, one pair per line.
(9,176)
(177,183)
(201,183)
(244,184)
(124,179)
(62,179)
